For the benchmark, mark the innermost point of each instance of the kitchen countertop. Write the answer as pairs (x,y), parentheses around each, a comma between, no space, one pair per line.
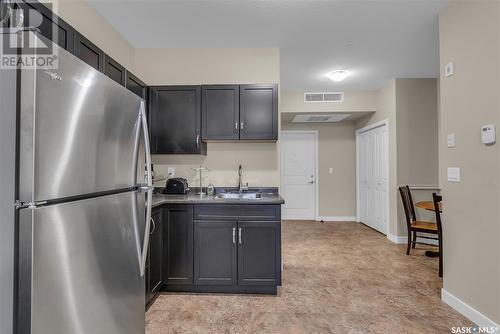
(267,198)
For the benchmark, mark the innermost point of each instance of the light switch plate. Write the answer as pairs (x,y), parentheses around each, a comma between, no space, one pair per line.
(453,174)
(330,170)
(448,70)
(451,140)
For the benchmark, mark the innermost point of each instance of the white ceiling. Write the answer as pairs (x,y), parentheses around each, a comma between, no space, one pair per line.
(375,40)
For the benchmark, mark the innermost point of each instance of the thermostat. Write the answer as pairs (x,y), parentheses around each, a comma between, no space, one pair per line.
(488,134)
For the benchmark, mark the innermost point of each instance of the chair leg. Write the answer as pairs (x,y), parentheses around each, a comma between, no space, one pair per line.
(440,256)
(414,243)
(409,243)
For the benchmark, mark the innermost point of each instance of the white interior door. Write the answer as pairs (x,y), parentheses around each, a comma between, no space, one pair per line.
(373,178)
(298,174)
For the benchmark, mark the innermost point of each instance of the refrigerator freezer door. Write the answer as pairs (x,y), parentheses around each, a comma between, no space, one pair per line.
(78,132)
(85,266)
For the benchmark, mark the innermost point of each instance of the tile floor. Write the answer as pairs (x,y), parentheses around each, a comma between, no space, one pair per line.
(338,278)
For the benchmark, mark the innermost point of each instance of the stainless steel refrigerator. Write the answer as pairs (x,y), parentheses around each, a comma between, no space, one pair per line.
(82,201)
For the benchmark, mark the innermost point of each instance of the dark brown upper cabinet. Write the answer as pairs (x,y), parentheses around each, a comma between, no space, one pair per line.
(135,85)
(175,120)
(220,112)
(259,112)
(88,52)
(240,112)
(50,25)
(114,70)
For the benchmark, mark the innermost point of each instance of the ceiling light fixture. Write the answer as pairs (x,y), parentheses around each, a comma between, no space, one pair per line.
(338,75)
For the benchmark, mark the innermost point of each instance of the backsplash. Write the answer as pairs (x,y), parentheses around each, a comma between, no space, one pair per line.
(260,162)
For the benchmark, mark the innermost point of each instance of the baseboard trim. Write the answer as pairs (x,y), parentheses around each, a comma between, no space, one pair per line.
(397,239)
(403,239)
(336,218)
(467,311)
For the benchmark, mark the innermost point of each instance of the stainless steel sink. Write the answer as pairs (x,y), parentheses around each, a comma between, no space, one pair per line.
(239,196)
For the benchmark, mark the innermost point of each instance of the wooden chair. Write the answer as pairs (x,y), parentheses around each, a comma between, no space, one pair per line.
(437,199)
(413,225)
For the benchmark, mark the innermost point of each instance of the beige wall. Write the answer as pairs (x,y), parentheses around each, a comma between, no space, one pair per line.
(470,37)
(417,141)
(207,66)
(337,150)
(417,131)
(89,23)
(364,101)
(411,107)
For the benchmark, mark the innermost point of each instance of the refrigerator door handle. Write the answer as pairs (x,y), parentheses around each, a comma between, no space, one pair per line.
(149,185)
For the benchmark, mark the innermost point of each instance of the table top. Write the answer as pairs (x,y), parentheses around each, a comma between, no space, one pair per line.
(428,205)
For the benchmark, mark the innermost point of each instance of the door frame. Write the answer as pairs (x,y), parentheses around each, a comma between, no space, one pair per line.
(359,131)
(316,158)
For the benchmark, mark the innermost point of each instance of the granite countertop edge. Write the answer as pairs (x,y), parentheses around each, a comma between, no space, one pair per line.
(191,198)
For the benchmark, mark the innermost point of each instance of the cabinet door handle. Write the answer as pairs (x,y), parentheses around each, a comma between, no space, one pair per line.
(234,235)
(197,140)
(239,235)
(154,226)
(242,126)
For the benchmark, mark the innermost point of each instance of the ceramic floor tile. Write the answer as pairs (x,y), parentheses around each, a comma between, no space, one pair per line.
(338,278)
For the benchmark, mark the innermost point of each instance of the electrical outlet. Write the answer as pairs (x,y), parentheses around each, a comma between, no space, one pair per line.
(171,172)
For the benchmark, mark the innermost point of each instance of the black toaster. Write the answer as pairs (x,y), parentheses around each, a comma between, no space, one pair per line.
(176,186)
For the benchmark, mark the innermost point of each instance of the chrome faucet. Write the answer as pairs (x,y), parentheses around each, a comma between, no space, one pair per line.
(241,188)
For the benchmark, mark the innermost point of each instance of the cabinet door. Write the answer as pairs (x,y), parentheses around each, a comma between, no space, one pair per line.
(114,70)
(135,85)
(215,253)
(88,52)
(259,112)
(155,252)
(175,120)
(258,253)
(49,24)
(220,112)
(178,244)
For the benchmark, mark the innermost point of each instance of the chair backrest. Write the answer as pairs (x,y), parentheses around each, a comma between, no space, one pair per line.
(437,199)
(410,200)
(403,191)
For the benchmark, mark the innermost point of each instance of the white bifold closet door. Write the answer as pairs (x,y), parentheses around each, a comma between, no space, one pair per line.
(373,178)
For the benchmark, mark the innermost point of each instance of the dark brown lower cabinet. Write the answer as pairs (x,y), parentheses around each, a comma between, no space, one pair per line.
(154,263)
(227,251)
(178,244)
(215,252)
(258,247)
